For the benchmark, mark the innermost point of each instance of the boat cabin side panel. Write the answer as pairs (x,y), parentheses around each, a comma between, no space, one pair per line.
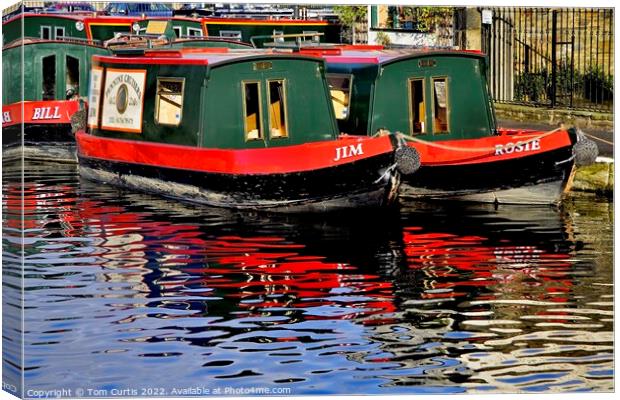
(436,97)
(55,71)
(253,102)
(267,102)
(156,103)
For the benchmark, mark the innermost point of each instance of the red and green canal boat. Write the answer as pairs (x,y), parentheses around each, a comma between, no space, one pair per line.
(439,100)
(234,129)
(45,65)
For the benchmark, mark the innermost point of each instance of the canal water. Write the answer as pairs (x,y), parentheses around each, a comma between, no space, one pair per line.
(135,294)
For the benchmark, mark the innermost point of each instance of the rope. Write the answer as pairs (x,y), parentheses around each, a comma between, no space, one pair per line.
(386,173)
(474,149)
(599,139)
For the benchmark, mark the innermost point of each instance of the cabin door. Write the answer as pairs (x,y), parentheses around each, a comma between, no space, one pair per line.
(428,103)
(265,108)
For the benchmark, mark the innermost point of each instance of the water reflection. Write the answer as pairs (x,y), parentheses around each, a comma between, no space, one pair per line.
(125,290)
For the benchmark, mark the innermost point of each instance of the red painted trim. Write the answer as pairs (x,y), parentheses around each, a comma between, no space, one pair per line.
(283,21)
(431,155)
(39,112)
(351,60)
(150,60)
(275,160)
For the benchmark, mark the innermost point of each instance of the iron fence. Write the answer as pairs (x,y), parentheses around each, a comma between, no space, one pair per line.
(551,57)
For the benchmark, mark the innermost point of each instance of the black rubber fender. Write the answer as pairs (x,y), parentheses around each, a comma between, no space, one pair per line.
(407,159)
(585,150)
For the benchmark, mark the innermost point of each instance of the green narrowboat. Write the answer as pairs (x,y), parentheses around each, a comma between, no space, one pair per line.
(249,30)
(439,100)
(93,29)
(233,129)
(42,83)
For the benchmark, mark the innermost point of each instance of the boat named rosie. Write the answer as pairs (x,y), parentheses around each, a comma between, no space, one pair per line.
(232,128)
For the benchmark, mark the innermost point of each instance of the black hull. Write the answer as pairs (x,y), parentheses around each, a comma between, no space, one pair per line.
(359,184)
(35,134)
(457,180)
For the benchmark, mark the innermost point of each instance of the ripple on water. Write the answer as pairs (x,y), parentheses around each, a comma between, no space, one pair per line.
(438,298)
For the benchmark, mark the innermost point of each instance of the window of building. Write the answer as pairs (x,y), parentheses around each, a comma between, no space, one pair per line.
(252,114)
(440,105)
(193,32)
(169,101)
(417,106)
(340,89)
(46,32)
(59,32)
(277,109)
(49,77)
(231,34)
(72,77)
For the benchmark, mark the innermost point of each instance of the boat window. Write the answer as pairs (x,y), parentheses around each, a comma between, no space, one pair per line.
(440,107)
(231,34)
(177,31)
(49,77)
(417,106)
(72,77)
(59,32)
(194,32)
(169,101)
(277,109)
(252,117)
(340,89)
(46,32)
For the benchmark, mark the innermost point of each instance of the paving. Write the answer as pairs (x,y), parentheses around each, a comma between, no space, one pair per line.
(603,138)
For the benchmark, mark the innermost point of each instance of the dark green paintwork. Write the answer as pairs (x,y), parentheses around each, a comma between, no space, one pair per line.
(32,28)
(380,99)
(32,68)
(331,32)
(212,115)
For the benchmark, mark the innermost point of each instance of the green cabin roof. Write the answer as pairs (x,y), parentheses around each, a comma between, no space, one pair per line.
(434,94)
(217,98)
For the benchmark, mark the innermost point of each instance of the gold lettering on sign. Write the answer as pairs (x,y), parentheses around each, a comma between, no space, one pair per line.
(262,65)
(427,63)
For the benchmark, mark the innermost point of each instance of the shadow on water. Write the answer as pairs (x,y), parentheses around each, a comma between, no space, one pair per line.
(126,290)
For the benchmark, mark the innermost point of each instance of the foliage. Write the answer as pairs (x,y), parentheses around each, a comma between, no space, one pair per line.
(593,85)
(531,86)
(349,15)
(598,86)
(425,18)
(383,39)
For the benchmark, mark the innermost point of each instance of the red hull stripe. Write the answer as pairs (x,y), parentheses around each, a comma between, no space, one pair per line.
(276,160)
(505,147)
(39,112)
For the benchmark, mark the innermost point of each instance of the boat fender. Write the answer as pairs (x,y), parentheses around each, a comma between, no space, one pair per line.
(78,119)
(407,159)
(585,150)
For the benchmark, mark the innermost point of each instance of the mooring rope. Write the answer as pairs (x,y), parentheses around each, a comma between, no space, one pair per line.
(598,138)
(476,149)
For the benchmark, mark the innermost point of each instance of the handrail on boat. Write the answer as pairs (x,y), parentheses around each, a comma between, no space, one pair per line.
(297,36)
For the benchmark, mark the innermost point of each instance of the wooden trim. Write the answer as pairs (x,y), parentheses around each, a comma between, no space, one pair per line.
(433,78)
(259,117)
(409,82)
(168,79)
(284,106)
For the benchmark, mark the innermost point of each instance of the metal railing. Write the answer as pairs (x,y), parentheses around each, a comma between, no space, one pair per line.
(560,57)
